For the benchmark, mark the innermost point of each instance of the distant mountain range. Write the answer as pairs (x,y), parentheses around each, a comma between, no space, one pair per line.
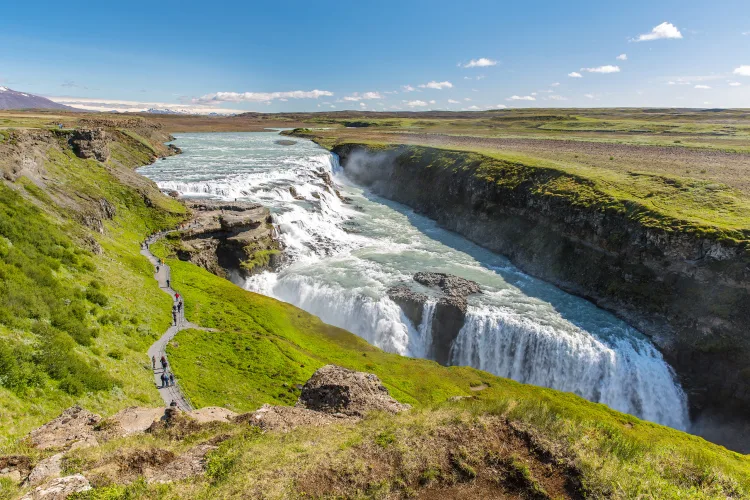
(12,99)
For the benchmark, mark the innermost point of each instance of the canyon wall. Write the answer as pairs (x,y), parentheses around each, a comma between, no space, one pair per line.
(688,290)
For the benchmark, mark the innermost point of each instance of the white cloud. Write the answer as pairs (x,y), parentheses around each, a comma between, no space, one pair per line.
(590,96)
(416,104)
(602,69)
(217,97)
(556,84)
(473,108)
(663,31)
(742,70)
(408,88)
(361,97)
(558,98)
(746,33)
(451,101)
(432,102)
(622,57)
(533,93)
(501,106)
(437,85)
(467,99)
(521,98)
(480,63)
(575,74)
(121,106)
(702,87)
(363,104)
(734,84)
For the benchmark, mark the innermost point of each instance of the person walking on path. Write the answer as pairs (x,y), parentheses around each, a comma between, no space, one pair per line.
(163,379)
(157,268)
(167,282)
(179,306)
(153,362)
(174,314)
(163,363)
(171,378)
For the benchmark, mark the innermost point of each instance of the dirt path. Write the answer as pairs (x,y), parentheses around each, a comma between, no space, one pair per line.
(158,349)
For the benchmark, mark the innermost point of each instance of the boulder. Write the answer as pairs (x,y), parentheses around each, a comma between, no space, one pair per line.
(333,389)
(74,425)
(50,467)
(60,488)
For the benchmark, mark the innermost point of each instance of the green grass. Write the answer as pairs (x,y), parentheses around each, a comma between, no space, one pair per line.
(263,347)
(75,323)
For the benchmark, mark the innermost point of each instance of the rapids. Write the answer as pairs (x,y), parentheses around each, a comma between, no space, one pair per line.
(340,258)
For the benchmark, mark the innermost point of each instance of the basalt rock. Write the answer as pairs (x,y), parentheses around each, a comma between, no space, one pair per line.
(411,302)
(91,143)
(230,239)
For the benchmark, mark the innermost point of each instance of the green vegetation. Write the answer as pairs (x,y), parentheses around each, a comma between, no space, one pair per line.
(262,348)
(73,320)
(79,307)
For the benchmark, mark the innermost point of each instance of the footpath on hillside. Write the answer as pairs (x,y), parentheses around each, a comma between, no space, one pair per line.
(170,392)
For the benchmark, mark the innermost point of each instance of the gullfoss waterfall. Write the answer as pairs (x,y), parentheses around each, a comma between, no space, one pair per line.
(345,247)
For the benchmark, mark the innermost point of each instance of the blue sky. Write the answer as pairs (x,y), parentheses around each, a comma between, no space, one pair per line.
(325,55)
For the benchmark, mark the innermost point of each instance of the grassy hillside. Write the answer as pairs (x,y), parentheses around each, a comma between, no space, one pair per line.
(78,307)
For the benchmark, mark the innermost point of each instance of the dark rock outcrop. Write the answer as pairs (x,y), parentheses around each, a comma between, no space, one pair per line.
(91,143)
(333,389)
(688,291)
(411,302)
(230,239)
(450,309)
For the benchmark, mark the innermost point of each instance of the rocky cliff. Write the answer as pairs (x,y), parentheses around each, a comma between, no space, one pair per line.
(688,289)
(230,239)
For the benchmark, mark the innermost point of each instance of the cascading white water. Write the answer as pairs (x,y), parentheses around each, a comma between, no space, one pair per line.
(341,258)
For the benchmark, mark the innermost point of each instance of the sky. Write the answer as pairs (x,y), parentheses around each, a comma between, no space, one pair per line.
(378,55)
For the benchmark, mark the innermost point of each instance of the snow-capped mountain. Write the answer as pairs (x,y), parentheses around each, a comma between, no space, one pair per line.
(12,99)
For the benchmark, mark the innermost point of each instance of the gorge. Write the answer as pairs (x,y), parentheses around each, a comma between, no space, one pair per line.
(346,249)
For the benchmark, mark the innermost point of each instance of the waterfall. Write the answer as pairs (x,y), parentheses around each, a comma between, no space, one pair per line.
(626,374)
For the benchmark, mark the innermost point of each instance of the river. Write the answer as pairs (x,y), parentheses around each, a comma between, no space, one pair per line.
(341,258)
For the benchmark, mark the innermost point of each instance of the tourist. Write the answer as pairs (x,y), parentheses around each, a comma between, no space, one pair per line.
(153,362)
(171,379)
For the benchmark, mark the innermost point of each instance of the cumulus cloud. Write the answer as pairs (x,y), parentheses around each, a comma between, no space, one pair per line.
(416,104)
(432,101)
(663,31)
(437,85)
(218,97)
(602,69)
(575,74)
(742,70)
(473,108)
(702,87)
(451,101)
(482,62)
(622,57)
(521,98)
(589,96)
(408,88)
(362,97)
(734,84)
(122,106)
(558,98)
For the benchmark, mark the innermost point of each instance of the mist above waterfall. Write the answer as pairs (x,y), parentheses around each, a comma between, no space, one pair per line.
(341,258)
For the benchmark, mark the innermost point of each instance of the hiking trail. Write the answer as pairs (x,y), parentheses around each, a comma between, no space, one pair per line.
(158,349)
